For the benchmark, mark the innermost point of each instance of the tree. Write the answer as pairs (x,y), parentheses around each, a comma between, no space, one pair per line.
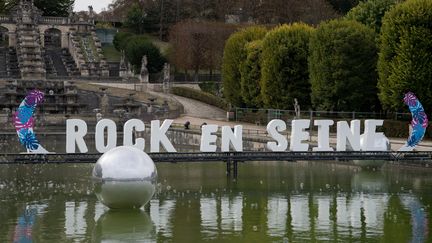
(137,47)
(342,67)
(250,71)
(284,66)
(58,8)
(343,6)
(120,40)
(234,54)
(405,62)
(371,12)
(198,45)
(6,5)
(135,19)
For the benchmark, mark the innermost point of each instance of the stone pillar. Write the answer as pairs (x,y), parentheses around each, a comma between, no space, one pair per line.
(42,39)
(64,40)
(12,39)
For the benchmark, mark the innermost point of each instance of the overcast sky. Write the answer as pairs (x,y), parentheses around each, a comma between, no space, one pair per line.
(98,5)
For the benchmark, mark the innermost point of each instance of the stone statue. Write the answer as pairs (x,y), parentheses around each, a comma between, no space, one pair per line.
(91,12)
(296,108)
(167,72)
(104,103)
(123,67)
(166,77)
(144,75)
(70,13)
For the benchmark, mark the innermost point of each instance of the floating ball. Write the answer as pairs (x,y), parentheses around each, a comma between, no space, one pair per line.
(125,177)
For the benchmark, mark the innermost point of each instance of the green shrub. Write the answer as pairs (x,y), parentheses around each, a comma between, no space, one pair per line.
(250,71)
(138,46)
(234,55)
(405,62)
(210,87)
(120,40)
(200,96)
(371,12)
(285,73)
(342,67)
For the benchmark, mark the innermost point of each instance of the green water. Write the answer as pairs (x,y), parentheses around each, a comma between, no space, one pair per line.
(196,202)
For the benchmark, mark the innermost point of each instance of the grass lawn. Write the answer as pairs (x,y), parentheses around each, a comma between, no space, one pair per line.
(111,54)
(162,45)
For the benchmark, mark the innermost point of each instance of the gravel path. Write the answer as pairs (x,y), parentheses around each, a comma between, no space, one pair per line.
(194,108)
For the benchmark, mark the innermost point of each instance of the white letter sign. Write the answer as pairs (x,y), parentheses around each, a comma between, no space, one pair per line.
(273,129)
(76,129)
(158,136)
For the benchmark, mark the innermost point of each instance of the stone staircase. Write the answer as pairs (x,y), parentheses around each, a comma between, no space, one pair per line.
(54,63)
(3,61)
(69,63)
(86,50)
(60,63)
(8,63)
(12,63)
(29,52)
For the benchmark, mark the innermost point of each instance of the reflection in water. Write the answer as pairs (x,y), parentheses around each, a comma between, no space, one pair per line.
(124,194)
(24,229)
(161,213)
(75,223)
(269,202)
(277,216)
(419,220)
(124,226)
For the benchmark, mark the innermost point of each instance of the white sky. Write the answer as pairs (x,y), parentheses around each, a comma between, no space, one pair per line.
(98,5)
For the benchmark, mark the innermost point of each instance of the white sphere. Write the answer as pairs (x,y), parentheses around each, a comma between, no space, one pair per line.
(125,177)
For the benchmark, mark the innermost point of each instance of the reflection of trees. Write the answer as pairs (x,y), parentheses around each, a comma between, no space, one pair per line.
(396,222)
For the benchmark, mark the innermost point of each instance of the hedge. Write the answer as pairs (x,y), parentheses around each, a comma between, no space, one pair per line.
(250,71)
(200,96)
(120,40)
(138,46)
(342,67)
(234,55)
(371,12)
(285,74)
(405,62)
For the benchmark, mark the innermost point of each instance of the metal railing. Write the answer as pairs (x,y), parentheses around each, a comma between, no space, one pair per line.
(263,116)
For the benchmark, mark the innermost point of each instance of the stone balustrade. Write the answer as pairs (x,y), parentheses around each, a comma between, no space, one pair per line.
(54,20)
(6,19)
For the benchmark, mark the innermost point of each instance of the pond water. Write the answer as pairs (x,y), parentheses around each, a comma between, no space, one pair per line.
(268,202)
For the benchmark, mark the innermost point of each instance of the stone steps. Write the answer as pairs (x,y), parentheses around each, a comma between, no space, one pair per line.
(29,51)
(55,62)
